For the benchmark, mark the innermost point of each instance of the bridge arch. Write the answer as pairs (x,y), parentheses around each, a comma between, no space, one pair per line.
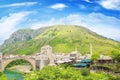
(7,62)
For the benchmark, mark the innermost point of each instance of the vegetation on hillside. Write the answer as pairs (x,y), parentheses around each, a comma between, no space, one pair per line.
(64,39)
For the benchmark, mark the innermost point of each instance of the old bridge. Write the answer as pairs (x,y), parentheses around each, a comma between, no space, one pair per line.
(39,60)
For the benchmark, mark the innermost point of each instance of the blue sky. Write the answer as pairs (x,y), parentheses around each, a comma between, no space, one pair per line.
(100,16)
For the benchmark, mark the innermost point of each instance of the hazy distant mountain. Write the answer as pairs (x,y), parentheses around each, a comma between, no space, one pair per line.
(63,38)
(22,35)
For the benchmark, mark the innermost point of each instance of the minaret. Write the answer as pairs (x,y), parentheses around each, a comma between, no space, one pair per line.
(76,49)
(90,50)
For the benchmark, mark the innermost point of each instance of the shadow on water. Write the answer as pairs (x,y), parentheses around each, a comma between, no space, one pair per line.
(13,75)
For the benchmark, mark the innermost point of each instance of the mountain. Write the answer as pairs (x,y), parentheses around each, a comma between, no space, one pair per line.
(63,39)
(22,35)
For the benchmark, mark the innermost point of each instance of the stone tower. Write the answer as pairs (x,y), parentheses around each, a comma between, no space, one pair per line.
(48,51)
(45,57)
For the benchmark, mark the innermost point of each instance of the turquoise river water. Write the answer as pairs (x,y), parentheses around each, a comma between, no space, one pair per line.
(13,75)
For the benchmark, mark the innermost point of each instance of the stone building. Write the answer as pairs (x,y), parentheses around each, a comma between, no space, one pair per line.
(105,60)
(45,57)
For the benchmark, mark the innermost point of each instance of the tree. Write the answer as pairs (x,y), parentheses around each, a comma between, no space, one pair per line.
(2,76)
(116,56)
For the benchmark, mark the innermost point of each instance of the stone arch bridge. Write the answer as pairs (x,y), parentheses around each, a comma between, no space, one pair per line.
(39,60)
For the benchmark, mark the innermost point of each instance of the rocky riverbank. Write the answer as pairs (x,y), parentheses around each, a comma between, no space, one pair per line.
(21,68)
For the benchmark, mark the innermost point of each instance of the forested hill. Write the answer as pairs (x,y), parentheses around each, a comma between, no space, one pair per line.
(63,39)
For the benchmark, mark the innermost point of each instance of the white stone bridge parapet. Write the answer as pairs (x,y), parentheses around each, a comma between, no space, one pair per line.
(39,60)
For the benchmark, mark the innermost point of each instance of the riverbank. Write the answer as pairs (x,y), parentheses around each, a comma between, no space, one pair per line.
(21,68)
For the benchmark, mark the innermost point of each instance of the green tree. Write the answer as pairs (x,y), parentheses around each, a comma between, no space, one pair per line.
(95,56)
(68,73)
(2,76)
(116,55)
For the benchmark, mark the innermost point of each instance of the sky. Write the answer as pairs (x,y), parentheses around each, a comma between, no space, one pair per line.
(100,16)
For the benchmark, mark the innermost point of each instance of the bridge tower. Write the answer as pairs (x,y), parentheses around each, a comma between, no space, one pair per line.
(48,51)
(45,57)
(1,61)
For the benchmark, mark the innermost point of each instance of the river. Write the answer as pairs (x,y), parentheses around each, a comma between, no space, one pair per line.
(13,75)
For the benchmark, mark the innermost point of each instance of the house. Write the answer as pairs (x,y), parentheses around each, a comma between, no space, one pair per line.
(104,59)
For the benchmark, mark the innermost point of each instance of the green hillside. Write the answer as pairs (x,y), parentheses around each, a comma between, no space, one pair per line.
(64,39)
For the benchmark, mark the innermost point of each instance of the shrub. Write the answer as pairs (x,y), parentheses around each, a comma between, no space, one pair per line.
(85,72)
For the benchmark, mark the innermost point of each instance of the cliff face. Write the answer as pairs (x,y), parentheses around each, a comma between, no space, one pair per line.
(21,36)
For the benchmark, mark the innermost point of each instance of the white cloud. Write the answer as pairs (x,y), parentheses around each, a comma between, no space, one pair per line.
(43,24)
(82,6)
(112,33)
(8,24)
(110,4)
(96,8)
(58,6)
(70,19)
(87,1)
(19,4)
(104,25)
